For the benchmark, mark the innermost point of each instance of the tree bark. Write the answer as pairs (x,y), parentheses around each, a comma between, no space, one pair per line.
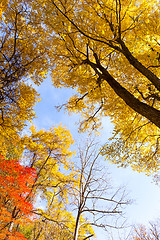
(144,109)
(75,237)
(141,68)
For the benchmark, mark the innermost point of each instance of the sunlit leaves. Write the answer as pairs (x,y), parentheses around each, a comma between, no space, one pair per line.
(85,28)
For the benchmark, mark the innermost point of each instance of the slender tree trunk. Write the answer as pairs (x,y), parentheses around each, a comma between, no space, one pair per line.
(9,230)
(75,237)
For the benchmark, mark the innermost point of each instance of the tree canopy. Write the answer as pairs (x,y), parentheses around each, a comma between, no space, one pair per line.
(109,52)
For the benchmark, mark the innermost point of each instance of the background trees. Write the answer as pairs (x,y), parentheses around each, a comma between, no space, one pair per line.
(78,202)
(47,153)
(94,195)
(150,232)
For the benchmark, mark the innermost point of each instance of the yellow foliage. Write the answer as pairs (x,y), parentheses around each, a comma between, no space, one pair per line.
(3,6)
(107,29)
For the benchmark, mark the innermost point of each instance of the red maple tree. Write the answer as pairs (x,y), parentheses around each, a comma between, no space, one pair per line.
(16,197)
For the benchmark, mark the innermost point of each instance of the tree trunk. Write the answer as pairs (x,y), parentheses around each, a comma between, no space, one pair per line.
(144,109)
(75,237)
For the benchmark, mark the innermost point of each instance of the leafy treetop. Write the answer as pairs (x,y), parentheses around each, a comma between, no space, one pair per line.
(109,52)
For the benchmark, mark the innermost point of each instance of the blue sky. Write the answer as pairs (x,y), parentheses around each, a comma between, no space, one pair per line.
(146,195)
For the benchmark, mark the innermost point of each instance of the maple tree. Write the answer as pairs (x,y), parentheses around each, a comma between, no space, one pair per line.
(108,51)
(15,206)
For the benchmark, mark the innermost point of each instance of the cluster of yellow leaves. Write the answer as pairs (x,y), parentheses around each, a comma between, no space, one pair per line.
(25,55)
(14,115)
(3,6)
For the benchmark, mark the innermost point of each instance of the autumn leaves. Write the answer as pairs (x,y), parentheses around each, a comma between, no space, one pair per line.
(106,51)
